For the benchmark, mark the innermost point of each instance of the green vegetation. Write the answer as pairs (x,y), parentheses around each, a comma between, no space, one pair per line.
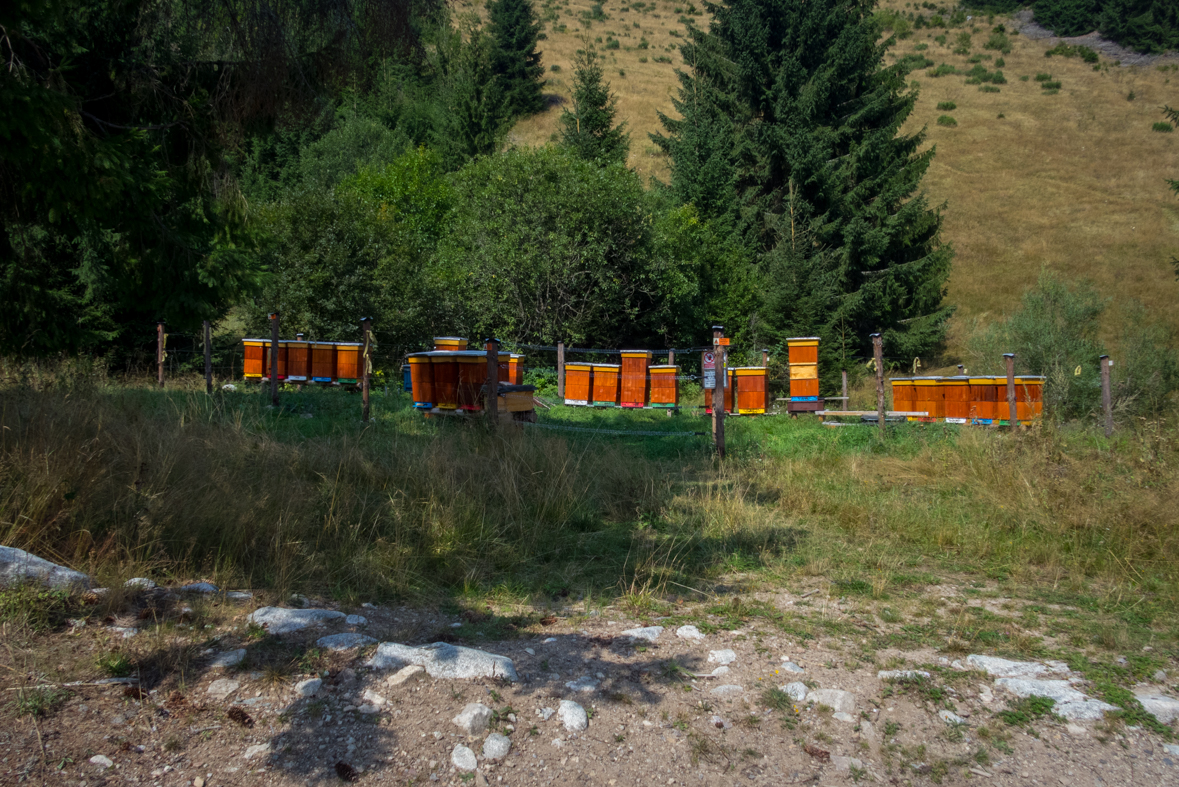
(515,59)
(946,106)
(947,120)
(588,130)
(1163,126)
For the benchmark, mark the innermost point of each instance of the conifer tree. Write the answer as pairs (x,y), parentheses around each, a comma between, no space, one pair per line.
(589,130)
(515,33)
(791,137)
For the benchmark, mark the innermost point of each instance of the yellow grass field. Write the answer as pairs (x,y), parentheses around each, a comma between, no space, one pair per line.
(1074,181)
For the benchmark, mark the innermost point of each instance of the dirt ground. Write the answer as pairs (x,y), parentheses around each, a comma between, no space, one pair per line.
(654,716)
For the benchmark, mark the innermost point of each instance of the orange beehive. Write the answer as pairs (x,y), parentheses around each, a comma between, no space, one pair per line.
(803,356)
(450,343)
(323,362)
(516,369)
(902,394)
(444,370)
(752,389)
(298,361)
(348,363)
(728,396)
(606,389)
(982,400)
(282,361)
(1002,407)
(665,387)
(578,383)
(255,352)
(421,380)
(472,375)
(956,392)
(635,384)
(930,398)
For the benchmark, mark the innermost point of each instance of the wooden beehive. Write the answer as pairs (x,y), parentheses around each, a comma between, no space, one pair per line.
(728,395)
(930,398)
(665,387)
(635,387)
(298,361)
(956,393)
(803,357)
(323,362)
(516,366)
(578,384)
(902,392)
(606,389)
(421,376)
(348,363)
(751,385)
(450,343)
(444,369)
(254,355)
(472,375)
(282,361)
(1002,408)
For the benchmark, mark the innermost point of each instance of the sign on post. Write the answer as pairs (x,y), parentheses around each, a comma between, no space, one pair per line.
(709,370)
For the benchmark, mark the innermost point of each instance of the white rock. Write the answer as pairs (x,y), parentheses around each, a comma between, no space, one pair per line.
(721,656)
(584,683)
(443,660)
(140,583)
(1171,748)
(356,620)
(1165,709)
(345,641)
(308,688)
(124,632)
(463,758)
(1003,668)
(204,588)
(558,743)
(790,666)
(18,567)
(545,713)
(410,674)
(1070,703)
(220,689)
(228,658)
(372,698)
(473,718)
(690,633)
(728,690)
(280,620)
(647,633)
(846,718)
(530,651)
(720,672)
(1076,730)
(1159,676)
(239,595)
(102,761)
(835,699)
(368,709)
(901,674)
(797,691)
(950,718)
(254,751)
(572,716)
(845,764)
(497,746)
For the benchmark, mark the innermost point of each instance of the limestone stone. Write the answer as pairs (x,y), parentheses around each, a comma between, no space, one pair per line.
(443,660)
(901,674)
(647,633)
(790,666)
(410,674)
(18,567)
(572,716)
(308,688)
(1004,668)
(949,717)
(497,746)
(721,656)
(1070,703)
(254,751)
(345,641)
(473,718)
(797,690)
(102,761)
(728,690)
(463,758)
(835,699)
(222,688)
(1165,709)
(228,658)
(583,684)
(690,633)
(280,620)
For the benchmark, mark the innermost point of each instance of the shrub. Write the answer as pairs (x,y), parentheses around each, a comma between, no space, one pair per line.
(613,43)
(662,59)
(921,47)
(644,43)
(937,21)
(989,89)
(1131,96)
(1024,78)
(999,42)
(1163,126)
(947,120)
(643,59)
(1000,63)
(941,40)
(1050,85)
(1043,77)
(946,106)
(556,69)
(941,70)
(962,44)
(997,78)
(1064,50)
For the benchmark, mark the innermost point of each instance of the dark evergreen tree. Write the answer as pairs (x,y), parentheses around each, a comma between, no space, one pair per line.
(515,31)
(791,137)
(589,130)
(477,113)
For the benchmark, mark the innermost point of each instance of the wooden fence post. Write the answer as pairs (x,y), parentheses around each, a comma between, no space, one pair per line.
(561,371)
(1106,396)
(274,358)
(366,325)
(718,390)
(845,389)
(671,357)
(1012,413)
(160,352)
(765,358)
(492,404)
(878,355)
(208,358)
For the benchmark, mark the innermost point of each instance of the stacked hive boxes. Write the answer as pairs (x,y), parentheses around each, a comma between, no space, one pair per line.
(804,374)
(453,379)
(334,363)
(579,384)
(635,386)
(665,388)
(752,389)
(606,390)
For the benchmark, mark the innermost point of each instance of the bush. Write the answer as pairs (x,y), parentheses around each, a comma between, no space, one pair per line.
(941,70)
(613,43)
(946,106)
(941,40)
(1163,126)
(662,59)
(1054,86)
(946,120)
(1000,63)
(999,42)
(921,47)
(962,44)
(1043,77)
(1064,50)
(989,89)
(556,69)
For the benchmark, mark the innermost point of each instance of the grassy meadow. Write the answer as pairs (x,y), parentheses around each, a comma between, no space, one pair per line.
(1072,180)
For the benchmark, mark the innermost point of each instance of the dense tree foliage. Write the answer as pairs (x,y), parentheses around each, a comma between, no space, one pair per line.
(1143,25)
(588,129)
(515,59)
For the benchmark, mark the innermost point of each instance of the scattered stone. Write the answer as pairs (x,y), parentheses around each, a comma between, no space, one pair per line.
(545,713)
(204,588)
(228,658)
(1070,703)
(901,674)
(222,688)
(356,620)
(721,656)
(1171,748)
(949,717)
(648,633)
(584,683)
(572,716)
(463,758)
(558,743)
(846,718)
(1003,668)
(345,641)
(720,672)
(443,660)
(690,633)
(720,723)
(797,691)
(123,631)
(410,674)
(372,698)
(728,690)
(140,583)
(790,666)
(18,567)
(497,746)
(368,709)
(530,651)
(984,694)
(254,751)
(1076,730)
(198,782)
(346,675)
(280,620)
(1159,676)
(309,687)
(473,718)
(239,595)
(845,764)
(835,699)
(1165,709)
(102,761)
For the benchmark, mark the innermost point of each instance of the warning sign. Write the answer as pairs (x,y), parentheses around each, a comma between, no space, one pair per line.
(709,370)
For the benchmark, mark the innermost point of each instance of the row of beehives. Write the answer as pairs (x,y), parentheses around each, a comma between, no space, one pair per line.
(634,382)
(300,361)
(453,379)
(967,400)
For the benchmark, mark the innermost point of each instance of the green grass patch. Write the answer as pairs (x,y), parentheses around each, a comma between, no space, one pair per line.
(1163,127)
(947,120)
(1026,710)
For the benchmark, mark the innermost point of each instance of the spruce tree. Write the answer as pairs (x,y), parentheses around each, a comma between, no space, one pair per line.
(791,137)
(589,130)
(515,32)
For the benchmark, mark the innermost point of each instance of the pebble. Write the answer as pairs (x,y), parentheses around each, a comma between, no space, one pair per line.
(572,716)
(497,746)
(797,690)
(720,723)
(229,658)
(463,758)
(473,719)
(949,717)
(410,674)
(720,671)
(583,684)
(545,713)
(308,688)
(728,690)
(1159,676)
(835,699)
(102,761)
(721,656)
(647,633)
(356,620)
(222,688)
(254,751)
(790,666)
(690,633)
(530,651)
